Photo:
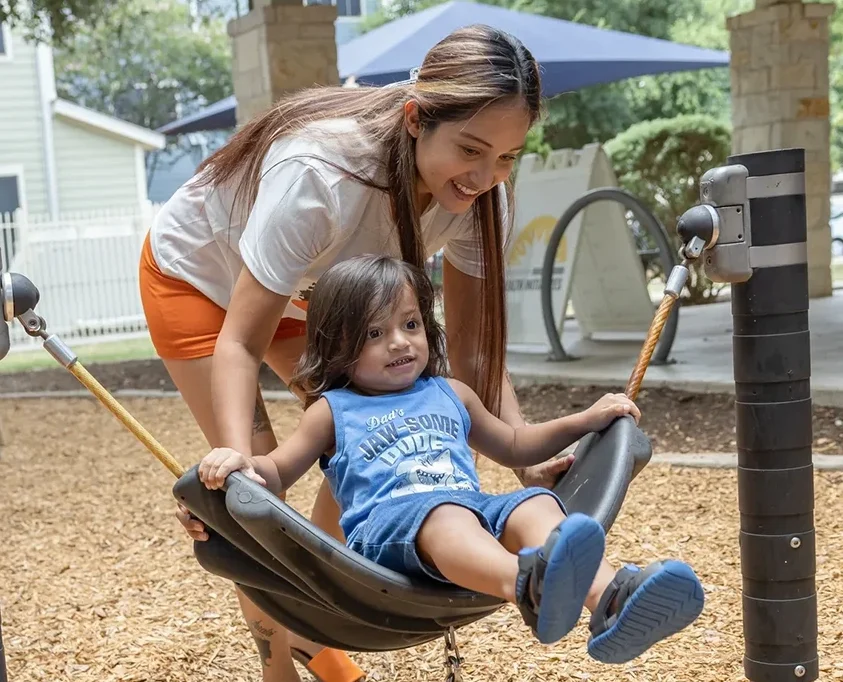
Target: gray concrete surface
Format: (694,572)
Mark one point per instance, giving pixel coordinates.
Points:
(700,360)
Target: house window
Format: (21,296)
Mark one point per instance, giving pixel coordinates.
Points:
(9,194)
(9,202)
(348,8)
(2,39)
(345,8)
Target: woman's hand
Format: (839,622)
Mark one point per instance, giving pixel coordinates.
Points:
(546,474)
(596,418)
(194,527)
(220,462)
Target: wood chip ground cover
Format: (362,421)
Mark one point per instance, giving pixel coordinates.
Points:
(98,582)
(675,420)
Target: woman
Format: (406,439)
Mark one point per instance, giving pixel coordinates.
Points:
(324,175)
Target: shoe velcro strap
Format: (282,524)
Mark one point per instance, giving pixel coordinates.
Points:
(626,581)
(530,582)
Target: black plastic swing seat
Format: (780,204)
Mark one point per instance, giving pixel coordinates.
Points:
(318,588)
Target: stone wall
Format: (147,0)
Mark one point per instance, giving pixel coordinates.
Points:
(779,67)
(280,46)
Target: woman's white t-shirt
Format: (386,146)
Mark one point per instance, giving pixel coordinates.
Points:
(308,215)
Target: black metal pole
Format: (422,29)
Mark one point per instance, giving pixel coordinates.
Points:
(772,370)
(752,220)
(3,677)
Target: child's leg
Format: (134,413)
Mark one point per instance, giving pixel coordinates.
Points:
(632,609)
(558,560)
(525,528)
(453,540)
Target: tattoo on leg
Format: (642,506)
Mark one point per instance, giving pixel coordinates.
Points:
(260,422)
(262,635)
(265,650)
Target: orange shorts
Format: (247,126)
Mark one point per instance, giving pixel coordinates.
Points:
(184,323)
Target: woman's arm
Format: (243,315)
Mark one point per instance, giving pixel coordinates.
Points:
(511,414)
(291,223)
(250,323)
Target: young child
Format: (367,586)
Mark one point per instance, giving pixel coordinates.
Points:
(394,438)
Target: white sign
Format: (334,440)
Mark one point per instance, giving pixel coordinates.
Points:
(598,271)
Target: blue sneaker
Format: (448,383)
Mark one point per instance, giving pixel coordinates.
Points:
(554,580)
(642,607)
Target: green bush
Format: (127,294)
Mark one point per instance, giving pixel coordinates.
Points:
(535,142)
(661,162)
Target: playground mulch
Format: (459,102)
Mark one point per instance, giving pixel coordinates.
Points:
(675,421)
(98,582)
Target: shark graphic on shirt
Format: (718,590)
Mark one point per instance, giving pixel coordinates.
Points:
(427,471)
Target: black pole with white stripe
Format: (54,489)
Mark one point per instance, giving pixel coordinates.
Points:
(754,211)
(3,675)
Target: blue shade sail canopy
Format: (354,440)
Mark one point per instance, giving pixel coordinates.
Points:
(572,56)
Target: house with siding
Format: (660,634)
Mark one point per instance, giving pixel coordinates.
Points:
(55,156)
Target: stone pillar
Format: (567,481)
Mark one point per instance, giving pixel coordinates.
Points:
(779,68)
(279,46)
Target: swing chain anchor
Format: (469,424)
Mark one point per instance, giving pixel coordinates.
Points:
(453,661)
(690,251)
(32,323)
(36,326)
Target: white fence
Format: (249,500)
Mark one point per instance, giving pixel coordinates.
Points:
(84,264)
(86,267)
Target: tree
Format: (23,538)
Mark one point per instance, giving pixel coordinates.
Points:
(600,112)
(705,91)
(170,63)
(57,21)
(653,18)
(54,20)
(395,9)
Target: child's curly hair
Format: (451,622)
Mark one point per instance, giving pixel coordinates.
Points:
(345,302)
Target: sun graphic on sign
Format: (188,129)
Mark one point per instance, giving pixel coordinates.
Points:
(531,244)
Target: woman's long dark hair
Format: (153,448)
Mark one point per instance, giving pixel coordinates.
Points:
(465,72)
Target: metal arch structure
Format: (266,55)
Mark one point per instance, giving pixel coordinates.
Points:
(653,227)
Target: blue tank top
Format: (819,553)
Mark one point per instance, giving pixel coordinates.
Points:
(405,443)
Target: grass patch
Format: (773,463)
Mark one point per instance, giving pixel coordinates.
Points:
(88,353)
